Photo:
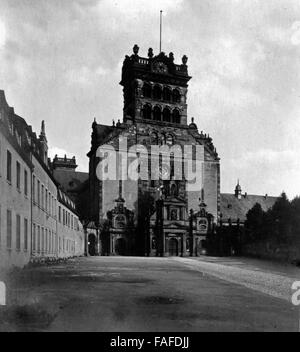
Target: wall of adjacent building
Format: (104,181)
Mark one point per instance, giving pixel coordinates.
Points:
(14,201)
(70,233)
(44,204)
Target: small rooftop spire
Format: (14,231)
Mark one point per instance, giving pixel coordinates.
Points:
(43,133)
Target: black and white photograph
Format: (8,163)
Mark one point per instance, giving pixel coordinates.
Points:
(149,169)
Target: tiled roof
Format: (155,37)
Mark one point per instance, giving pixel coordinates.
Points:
(234,208)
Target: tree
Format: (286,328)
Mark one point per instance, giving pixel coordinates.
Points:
(281,217)
(254,222)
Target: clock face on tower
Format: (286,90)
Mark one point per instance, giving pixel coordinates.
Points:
(160,67)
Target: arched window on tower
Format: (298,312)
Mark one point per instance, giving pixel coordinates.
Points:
(157,92)
(166,94)
(176,116)
(157,113)
(166,115)
(176,96)
(147,90)
(147,112)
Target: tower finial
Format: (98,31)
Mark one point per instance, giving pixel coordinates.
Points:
(43,133)
(160,31)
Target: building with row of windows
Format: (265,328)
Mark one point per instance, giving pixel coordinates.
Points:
(38,221)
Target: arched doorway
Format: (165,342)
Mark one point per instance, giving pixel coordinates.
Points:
(120,246)
(92,244)
(173,247)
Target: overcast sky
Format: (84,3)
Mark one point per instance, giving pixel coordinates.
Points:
(60,60)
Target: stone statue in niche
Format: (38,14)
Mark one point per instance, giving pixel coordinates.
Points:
(174,214)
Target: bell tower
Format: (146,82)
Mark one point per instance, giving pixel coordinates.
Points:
(154,88)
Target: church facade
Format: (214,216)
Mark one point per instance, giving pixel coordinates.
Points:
(166,214)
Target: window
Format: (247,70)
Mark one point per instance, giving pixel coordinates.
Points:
(157,113)
(18,175)
(0,154)
(176,96)
(147,112)
(39,239)
(9,228)
(46,241)
(49,204)
(42,204)
(43,241)
(46,200)
(25,234)
(157,92)
(147,90)
(33,238)
(33,188)
(39,193)
(0,225)
(166,115)
(59,214)
(166,94)
(18,232)
(25,182)
(8,166)
(176,116)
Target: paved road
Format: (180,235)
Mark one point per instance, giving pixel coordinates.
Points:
(151,294)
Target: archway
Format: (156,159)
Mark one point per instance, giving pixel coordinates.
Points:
(173,247)
(92,244)
(120,246)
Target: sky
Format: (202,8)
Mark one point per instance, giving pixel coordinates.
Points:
(60,61)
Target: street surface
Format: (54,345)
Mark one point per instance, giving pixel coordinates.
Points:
(152,294)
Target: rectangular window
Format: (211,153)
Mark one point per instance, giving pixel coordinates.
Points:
(33,188)
(9,228)
(59,214)
(8,166)
(43,241)
(0,155)
(46,198)
(39,192)
(42,204)
(25,183)
(18,175)
(0,225)
(18,232)
(39,240)
(33,238)
(46,241)
(25,234)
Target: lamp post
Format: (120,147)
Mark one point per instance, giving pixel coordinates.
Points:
(160,222)
(191,237)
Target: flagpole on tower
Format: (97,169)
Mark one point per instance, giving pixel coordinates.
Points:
(160,26)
